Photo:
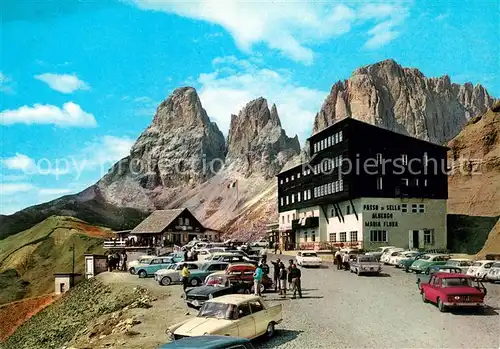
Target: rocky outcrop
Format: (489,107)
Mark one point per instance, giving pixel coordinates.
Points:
(180,149)
(256,141)
(404,100)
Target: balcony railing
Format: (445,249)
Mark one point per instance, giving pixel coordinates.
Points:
(305,223)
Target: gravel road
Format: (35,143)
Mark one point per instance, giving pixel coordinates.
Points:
(342,310)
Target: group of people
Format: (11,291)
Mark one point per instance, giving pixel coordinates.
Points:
(191,255)
(342,260)
(284,275)
(117,261)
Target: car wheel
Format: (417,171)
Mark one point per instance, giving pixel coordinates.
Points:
(165,281)
(262,288)
(142,274)
(270,330)
(131,270)
(195,282)
(441,306)
(423,297)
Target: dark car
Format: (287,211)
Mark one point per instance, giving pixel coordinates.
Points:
(209,342)
(197,296)
(433,269)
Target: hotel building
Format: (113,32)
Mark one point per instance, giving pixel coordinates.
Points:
(365,187)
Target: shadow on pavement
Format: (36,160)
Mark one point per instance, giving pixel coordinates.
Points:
(281,337)
(485,311)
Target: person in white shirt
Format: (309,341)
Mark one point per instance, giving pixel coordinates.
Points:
(345,260)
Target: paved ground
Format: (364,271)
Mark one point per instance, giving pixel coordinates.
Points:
(342,310)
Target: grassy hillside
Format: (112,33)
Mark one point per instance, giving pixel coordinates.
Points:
(46,248)
(467,234)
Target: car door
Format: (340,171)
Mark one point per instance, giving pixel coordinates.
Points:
(434,289)
(154,266)
(246,322)
(260,316)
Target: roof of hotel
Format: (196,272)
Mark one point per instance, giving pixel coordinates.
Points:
(157,221)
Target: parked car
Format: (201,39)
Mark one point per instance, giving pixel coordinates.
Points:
(197,296)
(461,263)
(261,243)
(363,264)
(236,273)
(494,272)
(308,259)
(199,275)
(232,315)
(384,258)
(230,257)
(433,269)
(171,275)
(453,290)
(381,250)
(142,260)
(177,256)
(209,342)
(152,265)
(405,263)
(479,269)
(396,260)
(427,260)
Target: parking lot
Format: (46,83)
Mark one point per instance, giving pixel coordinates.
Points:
(342,310)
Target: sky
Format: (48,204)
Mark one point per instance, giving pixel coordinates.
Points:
(80,80)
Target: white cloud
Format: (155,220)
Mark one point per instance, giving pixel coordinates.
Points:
(5,84)
(288,26)
(19,162)
(64,83)
(69,115)
(14,188)
(235,82)
(105,151)
(44,166)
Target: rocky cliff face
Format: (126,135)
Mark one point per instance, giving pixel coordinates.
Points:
(180,149)
(404,100)
(256,141)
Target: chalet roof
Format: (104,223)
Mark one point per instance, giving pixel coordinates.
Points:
(157,221)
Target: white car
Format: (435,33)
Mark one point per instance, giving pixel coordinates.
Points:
(172,274)
(479,269)
(377,254)
(308,259)
(142,260)
(396,259)
(389,253)
(494,272)
(461,263)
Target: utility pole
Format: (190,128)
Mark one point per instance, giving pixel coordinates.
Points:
(73,268)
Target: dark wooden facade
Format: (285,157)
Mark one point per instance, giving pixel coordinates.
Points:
(375,163)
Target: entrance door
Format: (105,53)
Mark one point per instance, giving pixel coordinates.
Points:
(61,287)
(415,239)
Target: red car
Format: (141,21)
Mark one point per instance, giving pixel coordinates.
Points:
(235,273)
(453,290)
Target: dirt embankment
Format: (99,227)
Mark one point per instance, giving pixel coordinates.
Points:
(12,315)
(113,310)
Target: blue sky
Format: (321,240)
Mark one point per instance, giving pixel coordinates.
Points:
(80,81)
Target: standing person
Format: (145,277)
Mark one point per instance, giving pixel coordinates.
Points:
(276,274)
(338,259)
(257,280)
(124,260)
(282,277)
(345,260)
(185,273)
(275,247)
(186,256)
(289,273)
(296,275)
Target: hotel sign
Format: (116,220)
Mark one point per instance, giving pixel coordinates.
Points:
(382,216)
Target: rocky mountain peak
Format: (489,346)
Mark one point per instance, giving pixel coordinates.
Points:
(404,100)
(257,142)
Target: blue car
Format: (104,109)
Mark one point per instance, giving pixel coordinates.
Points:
(209,342)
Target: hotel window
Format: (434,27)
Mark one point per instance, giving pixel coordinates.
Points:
(340,136)
(379,158)
(378,236)
(414,208)
(429,237)
(186,221)
(333,237)
(293,177)
(341,185)
(315,147)
(283,219)
(328,142)
(286,179)
(404,208)
(333,212)
(425,182)
(305,236)
(315,192)
(293,216)
(298,197)
(340,160)
(421,208)
(288,218)
(416,182)
(348,209)
(336,138)
(309,194)
(313,236)
(287,200)
(293,198)
(305,195)
(404,181)
(281,201)
(281,181)
(404,157)
(379,183)
(180,220)
(426,159)
(343,236)
(298,175)
(354,236)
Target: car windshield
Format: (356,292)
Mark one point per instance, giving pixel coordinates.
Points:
(425,257)
(367,259)
(454,282)
(496,265)
(477,264)
(217,310)
(309,254)
(145,260)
